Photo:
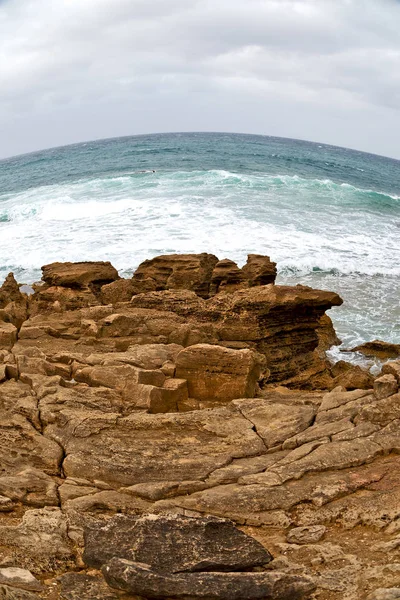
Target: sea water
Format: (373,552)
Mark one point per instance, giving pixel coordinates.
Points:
(329,216)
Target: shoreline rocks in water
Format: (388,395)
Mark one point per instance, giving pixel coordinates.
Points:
(144,420)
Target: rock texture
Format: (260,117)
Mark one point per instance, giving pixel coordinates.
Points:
(144,420)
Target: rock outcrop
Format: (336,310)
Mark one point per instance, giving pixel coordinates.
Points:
(138,431)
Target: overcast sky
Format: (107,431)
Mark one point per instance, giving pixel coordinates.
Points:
(322,70)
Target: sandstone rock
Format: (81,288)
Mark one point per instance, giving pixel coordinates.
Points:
(79,275)
(218,373)
(276,422)
(145,448)
(10,593)
(327,336)
(8,335)
(174,544)
(259,270)
(306,535)
(22,446)
(385,594)
(19,578)
(40,540)
(13,304)
(31,487)
(79,586)
(392,368)
(351,377)
(385,386)
(177,271)
(138,579)
(226,277)
(120,290)
(378,349)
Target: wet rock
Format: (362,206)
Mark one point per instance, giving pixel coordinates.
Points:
(174,544)
(138,579)
(379,349)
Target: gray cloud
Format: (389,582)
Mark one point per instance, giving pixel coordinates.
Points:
(326,70)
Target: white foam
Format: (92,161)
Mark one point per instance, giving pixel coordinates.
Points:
(312,228)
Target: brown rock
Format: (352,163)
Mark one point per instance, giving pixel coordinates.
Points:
(8,335)
(351,377)
(121,290)
(326,335)
(80,274)
(219,374)
(385,386)
(276,422)
(145,448)
(13,304)
(378,349)
(176,271)
(392,368)
(259,270)
(226,277)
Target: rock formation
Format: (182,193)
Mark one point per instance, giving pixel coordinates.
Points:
(144,420)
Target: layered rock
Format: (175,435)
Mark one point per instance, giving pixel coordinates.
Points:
(167,404)
(203,274)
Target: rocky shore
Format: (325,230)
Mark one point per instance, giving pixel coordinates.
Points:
(181,434)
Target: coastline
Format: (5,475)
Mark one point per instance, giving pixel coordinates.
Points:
(194,395)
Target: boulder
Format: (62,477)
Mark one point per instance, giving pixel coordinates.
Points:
(392,368)
(351,377)
(385,386)
(219,374)
(174,544)
(136,578)
(79,274)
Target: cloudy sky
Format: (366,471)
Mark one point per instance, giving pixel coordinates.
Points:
(322,70)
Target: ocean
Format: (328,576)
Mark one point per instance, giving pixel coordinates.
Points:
(329,216)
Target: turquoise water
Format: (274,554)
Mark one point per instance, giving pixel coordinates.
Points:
(330,217)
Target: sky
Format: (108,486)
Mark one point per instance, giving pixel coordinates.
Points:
(320,70)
